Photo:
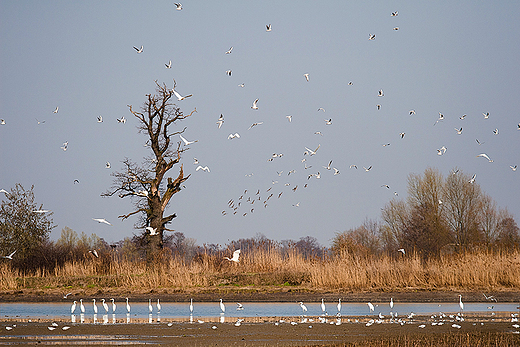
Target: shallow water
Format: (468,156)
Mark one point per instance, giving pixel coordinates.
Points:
(140,310)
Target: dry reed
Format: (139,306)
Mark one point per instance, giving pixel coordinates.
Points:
(272,267)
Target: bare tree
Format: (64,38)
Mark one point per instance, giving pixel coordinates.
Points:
(146,184)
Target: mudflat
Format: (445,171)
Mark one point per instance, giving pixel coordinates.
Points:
(291,331)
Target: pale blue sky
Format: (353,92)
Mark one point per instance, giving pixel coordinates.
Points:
(451,57)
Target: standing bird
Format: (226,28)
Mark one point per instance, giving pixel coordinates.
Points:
(127,306)
(370,306)
(323,307)
(461,304)
(158,306)
(73,307)
(339,305)
(391,303)
(105,306)
(304,308)
(81,306)
(222,306)
(191,306)
(113,306)
(150,307)
(94,305)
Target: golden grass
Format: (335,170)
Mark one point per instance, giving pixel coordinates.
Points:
(272,267)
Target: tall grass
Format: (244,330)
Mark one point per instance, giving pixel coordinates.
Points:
(270,266)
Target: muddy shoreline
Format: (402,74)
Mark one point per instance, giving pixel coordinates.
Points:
(286,295)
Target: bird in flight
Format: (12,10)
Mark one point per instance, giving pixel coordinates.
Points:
(459,131)
(220,120)
(321,109)
(513,167)
(2,122)
(462,117)
(484,155)
(178,6)
(380,93)
(306,75)
(441,117)
(94,252)
(228,72)
(236,254)
(153,231)
(102,220)
(254,106)
(56,110)
(39,122)
(121,120)
(495,131)
(186,142)
(289,118)
(371,37)
(169,65)
(395,14)
(367,169)
(441,150)
(10,256)
(180,97)
(229,50)
(402,135)
(241,85)
(268,27)
(479,143)
(328,121)
(310,152)
(328,166)
(41,211)
(336,171)
(472,180)
(486,115)
(255,124)
(65,145)
(401,250)
(200,167)
(100,119)
(107,165)
(139,50)
(232,136)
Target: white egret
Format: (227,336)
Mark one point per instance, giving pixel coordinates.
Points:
(158,306)
(191,305)
(339,305)
(113,305)
(323,307)
(127,306)
(304,308)
(222,306)
(150,307)
(180,97)
(94,305)
(81,307)
(370,306)
(391,303)
(10,256)
(105,306)
(73,307)
(461,304)
(236,254)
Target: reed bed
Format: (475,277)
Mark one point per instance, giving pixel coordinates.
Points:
(272,267)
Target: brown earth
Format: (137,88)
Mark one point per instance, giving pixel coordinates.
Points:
(267,294)
(475,330)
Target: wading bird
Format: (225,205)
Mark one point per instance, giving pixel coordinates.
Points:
(236,254)
(222,306)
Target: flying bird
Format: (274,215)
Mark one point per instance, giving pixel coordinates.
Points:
(180,97)
(495,131)
(395,14)
(371,37)
(472,180)
(513,167)
(39,122)
(241,85)
(441,150)
(370,306)
(306,75)
(56,110)
(321,109)
(401,250)
(10,256)
(380,93)
(121,120)
(229,50)
(402,135)
(228,72)
(255,107)
(94,253)
(107,165)
(336,171)
(268,27)
(232,136)
(139,50)
(220,120)
(203,168)
(2,122)
(289,118)
(169,65)
(328,121)
(459,131)
(462,117)
(102,220)
(255,124)
(100,119)
(441,117)
(41,211)
(396,28)
(484,155)
(236,254)
(367,169)
(186,142)
(153,231)
(310,152)
(486,115)
(412,112)
(178,6)
(65,145)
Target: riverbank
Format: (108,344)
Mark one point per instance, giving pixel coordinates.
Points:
(256,294)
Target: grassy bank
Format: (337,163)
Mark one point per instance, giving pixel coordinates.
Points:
(261,268)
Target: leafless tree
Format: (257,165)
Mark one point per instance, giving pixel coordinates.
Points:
(146,184)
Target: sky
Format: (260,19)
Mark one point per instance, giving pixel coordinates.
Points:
(451,57)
